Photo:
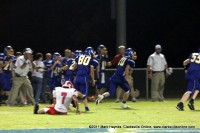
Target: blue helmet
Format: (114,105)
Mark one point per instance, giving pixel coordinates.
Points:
(100,47)
(89,51)
(55,56)
(78,53)
(129,52)
(8,50)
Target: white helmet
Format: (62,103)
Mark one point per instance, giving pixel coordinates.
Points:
(68,84)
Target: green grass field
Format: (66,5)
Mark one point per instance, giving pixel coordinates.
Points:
(109,113)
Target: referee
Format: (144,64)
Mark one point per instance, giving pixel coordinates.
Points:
(156,65)
(23,65)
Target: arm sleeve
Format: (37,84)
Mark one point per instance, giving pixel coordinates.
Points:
(165,62)
(76,60)
(54,93)
(94,63)
(150,61)
(19,62)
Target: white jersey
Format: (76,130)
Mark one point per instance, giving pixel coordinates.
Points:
(63,98)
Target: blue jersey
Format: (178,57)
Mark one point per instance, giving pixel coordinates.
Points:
(64,60)
(8,67)
(194,62)
(47,64)
(2,55)
(57,71)
(70,62)
(122,66)
(102,62)
(193,71)
(84,62)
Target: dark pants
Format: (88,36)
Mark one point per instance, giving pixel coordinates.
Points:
(37,87)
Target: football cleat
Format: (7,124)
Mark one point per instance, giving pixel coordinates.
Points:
(99,98)
(180,106)
(73,104)
(125,106)
(191,105)
(87,109)
(36,108)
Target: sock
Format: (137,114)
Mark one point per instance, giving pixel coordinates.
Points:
(124,102)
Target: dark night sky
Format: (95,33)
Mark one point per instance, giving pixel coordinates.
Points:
(54,25)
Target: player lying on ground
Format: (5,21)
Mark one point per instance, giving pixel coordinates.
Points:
(63,97)
(119,78)
(193,80)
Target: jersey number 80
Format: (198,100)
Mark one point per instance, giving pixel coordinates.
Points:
(84,60)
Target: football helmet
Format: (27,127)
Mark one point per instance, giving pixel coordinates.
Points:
(129,52)
(68,84)
(100,47)
(78,53)
(8,50)
(56,55)
(89,51)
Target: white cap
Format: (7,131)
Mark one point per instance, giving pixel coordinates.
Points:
(28,50)
(158,47)
(122,46)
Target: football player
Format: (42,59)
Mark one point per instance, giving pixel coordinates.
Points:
(119,78)
(68,61)
(114,62)
(193,79)
(56,72)
(47,74)
(1,76)
(62,100)
(129,78)
(6,65)
(102,81)
(85,65)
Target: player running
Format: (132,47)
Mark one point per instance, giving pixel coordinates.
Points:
(63,97)
(193,79)
(119,78)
